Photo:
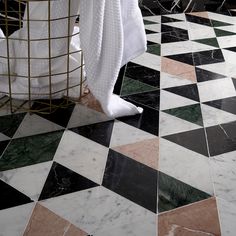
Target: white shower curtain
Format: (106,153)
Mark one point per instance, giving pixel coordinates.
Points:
(112,33)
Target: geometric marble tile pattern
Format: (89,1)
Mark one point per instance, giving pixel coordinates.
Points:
(167,171)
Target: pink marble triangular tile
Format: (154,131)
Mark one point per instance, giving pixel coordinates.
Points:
(146,152)
(45,222)
(179,69)
(203,14)
(198,219)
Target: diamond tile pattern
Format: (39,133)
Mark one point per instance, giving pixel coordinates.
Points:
(114,177)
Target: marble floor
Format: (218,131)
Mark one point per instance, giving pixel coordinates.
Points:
(170,171)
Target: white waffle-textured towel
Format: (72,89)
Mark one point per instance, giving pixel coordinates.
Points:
(112,33)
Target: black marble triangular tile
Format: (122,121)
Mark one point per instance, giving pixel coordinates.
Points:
(189,91)
(166,19)
(147,121)
(194,140)
(30,150)
(226,104)
(99,132)
(233,49)
(208,57)
(186,58)
(10,197)
(221,138)
(222,33)
(62,180)
(190,113)
(176,32)
(174,193)
(131,179)
(10,123)
(205,75)
(143,74)
(3,145)
(150,31)
(150,99)
(198,20)
(61,110)
(171,37)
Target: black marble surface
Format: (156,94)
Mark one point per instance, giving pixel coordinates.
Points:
(205,75)
(157,7)
(10,197)
(62,181)
(99,132)
(147,121)
(221,138)
(189,91)
(194,140)
(132,180)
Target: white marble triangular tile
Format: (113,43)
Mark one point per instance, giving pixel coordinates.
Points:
(183,47)
(222,68)
(82,115)
(213,116)
(28,180)
(171,100)
(153,27)
(82,155)
(221,17)
(227,215)
(224,175)
(216,89)
(136,229)
(97,210)
(155,38)
(126,134)
(34,124)
(149,60)
(226,41)
(3,137)
(230,28)
(185,165)
(171,125)
(13,221)
(153,18)
(180,24)
(229,56)
(168,81)
(197,31)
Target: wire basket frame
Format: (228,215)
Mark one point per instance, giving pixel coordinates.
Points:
(14,15)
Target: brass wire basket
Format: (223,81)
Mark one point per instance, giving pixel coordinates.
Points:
(12,19)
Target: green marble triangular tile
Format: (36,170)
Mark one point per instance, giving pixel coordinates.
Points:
(209,41)
(190,113)
(154,49)
(30,150)
(173,193)
(148,22)
(216,23)
(131,86)
(10,123)
(221,33)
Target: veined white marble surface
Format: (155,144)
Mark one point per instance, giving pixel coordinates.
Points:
(82,155)
(100,210)
(224,176)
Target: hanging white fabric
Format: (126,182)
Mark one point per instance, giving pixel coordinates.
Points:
(112,33)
